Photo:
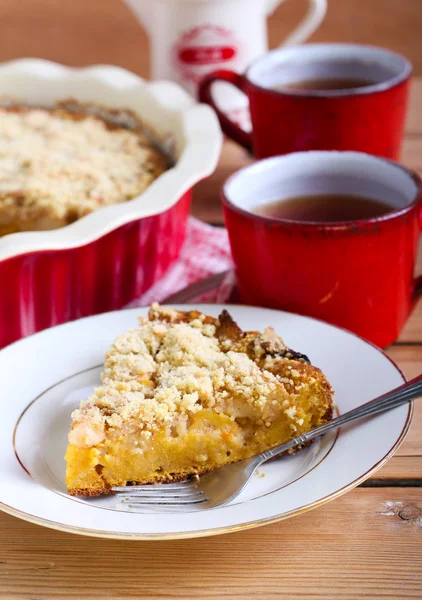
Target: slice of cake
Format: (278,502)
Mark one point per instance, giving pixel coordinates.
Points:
(185,393)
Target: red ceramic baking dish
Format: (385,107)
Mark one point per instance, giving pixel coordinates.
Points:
(109,257)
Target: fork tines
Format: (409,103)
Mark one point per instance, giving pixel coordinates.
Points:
(165,494)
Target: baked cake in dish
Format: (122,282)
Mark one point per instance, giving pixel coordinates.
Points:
(57,165)
(185,393)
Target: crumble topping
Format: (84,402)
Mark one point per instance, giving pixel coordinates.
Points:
(171,367)
(57,166)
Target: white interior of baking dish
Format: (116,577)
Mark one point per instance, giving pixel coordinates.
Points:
(190,130)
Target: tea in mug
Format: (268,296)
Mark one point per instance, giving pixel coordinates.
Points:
(325,84)
(324,208)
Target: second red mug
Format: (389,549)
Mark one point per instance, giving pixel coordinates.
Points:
(368,118)
(359,273)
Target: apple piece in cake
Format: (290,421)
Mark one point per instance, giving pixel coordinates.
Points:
(185,393)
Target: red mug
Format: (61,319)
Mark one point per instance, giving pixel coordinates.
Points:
(368,119)
(356,274)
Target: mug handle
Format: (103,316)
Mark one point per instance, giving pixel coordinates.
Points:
(417,282)
(417,288)
(228,126)
(309,24)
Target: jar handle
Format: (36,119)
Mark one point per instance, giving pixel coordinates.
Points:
(308,25)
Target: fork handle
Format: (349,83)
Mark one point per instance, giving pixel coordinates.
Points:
(405,393)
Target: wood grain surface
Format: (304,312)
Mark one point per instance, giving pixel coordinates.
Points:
(82,32)
(364,545)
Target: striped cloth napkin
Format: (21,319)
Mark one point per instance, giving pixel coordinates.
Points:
(206,252)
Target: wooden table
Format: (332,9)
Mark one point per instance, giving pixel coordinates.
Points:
(83,32)
(366,544)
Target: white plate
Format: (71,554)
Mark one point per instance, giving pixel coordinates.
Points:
(44,377)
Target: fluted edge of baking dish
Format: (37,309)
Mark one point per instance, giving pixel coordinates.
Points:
(165,107)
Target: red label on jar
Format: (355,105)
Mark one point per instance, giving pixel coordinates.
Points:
(204,55)
(202,49)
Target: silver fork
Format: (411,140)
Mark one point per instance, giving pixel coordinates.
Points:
(222,485)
